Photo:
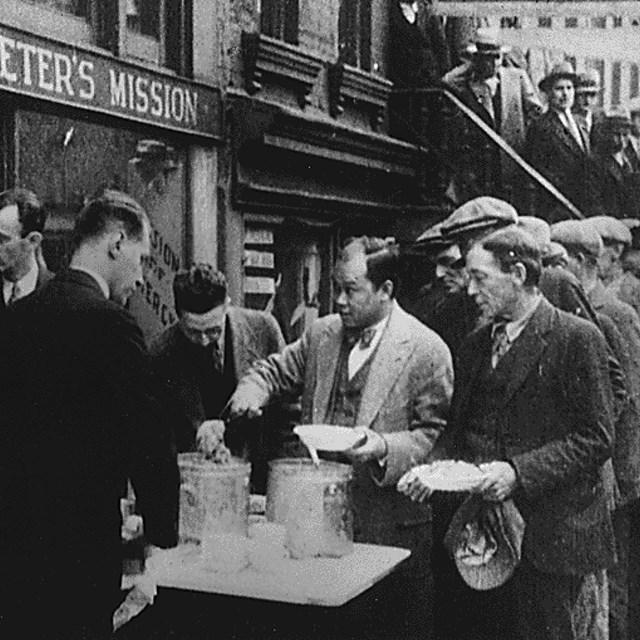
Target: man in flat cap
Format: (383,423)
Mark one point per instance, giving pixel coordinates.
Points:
(444,305)
(588,90)
(616,170)
(617,239)
(477,218)
(584,247)
(543,449)
(558,148)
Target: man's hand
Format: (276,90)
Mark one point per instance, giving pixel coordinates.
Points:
(246,401)
(413,487)
(499,481)
(210,436)
(373,448)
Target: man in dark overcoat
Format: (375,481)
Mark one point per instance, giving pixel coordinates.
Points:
(80,416)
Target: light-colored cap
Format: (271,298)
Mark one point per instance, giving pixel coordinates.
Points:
(479,214)
(611,229)
(538,229)
(577,235)
(588,82)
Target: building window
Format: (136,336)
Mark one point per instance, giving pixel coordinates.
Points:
(545,22)
(354,33)
(616,77)
(279,19)
(634,81)
(143,16)
(571,23)
(617,21)
(599,22)
(78,8)
(510,22)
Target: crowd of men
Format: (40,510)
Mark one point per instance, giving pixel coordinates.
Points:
(591,155)
(525,362)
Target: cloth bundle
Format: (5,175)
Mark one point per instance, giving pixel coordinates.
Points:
(485,541)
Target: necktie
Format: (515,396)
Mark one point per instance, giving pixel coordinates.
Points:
(15,294)
(500,344)
(216,356)
(573,129)
(362,338)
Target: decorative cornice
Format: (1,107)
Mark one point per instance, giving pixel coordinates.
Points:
(371,90)
(265,56)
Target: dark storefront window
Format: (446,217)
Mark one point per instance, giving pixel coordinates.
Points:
(354,33)
(279,19)
(287,271)
(66,160)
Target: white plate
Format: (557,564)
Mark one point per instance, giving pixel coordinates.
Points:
(449,475)
(324,437)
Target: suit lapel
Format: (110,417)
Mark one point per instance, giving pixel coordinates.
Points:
(327,357)
(516,365)
(241,338)
(392,353)
(561,132)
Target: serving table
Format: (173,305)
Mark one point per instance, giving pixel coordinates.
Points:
(323,598)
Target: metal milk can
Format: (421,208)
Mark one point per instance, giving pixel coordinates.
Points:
(212,496)
(314,505)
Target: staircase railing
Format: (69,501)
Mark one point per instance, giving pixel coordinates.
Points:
(470,154)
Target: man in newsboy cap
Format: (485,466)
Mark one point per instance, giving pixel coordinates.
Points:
(588,90)
(541,448)
(481,216)
(617,239)
(585,247)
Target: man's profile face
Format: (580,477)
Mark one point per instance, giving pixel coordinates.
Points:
(586,101)
(494,291)
(202,329)
(357,300)
(608,262)
(129,272)
(562,94)
(16,253)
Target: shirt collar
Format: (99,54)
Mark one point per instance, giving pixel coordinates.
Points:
(102,283)
(28,283)
(516,327)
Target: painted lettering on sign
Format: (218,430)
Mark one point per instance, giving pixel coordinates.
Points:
(51,70)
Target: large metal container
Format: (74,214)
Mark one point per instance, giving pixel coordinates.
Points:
(314,505)
(213,497)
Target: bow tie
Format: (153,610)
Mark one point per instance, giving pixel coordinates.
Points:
(362,338)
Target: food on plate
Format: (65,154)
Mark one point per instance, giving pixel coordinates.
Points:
(445,475)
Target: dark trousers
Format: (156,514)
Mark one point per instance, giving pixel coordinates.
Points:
(532,605)
(619,577)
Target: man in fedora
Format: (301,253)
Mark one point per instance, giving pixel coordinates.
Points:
(558,148)
(503,97)
(588,90)
(533,407)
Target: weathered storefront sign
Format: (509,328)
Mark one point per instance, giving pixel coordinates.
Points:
(42,68)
